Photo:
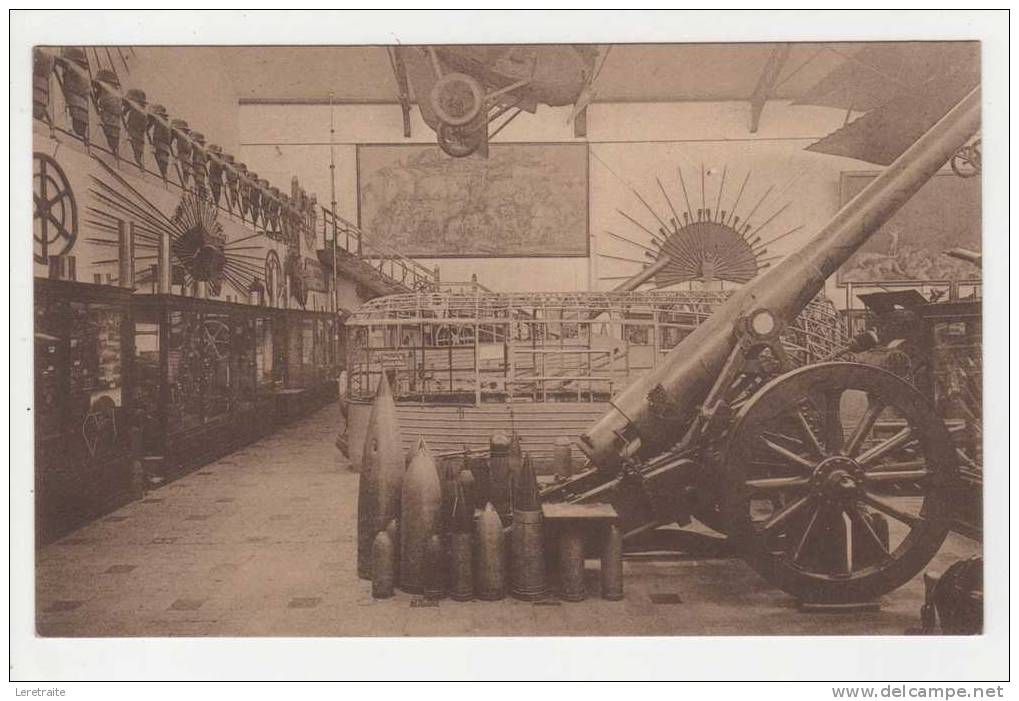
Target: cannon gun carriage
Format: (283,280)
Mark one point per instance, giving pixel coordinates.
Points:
(834,480)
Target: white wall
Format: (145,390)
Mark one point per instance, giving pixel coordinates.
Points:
(631,146)
(193,85)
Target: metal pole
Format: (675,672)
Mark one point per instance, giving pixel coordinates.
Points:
(332,202)
(164,263)
(125,235)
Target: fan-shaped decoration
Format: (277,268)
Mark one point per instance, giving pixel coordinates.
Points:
(198,245)
(705,244)
(705,250)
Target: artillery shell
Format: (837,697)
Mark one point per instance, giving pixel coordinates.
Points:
(516,456)
(76,90)
(479,467)
(365,518)
(499,475)
(612,565)
(110,106)
(421,499)
(449,470)
(527,556)
(468,492)
(161,137)
(462,518)
(525,488)
(382,474)
(43,64)
(137,122)
(490,562)
(462,566)
(436,568)
(393,529)
(571,565)
(383,566)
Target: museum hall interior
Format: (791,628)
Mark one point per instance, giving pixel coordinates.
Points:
(508,340)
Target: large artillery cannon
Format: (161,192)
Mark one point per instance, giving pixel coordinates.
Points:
(836,480)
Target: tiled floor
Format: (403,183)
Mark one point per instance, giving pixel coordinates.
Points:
(263,543)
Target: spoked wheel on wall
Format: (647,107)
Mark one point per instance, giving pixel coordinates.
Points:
(838,482)
(55,214)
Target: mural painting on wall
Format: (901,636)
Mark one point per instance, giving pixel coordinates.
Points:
(943,215)
(523,200)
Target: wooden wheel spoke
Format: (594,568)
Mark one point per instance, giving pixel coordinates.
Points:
(889,510)
(768,483)
(863,429)
(783,439)
(56,198)
(846,561)
(897,441)
(861,519)
(833,420)
(783,516)
(909,471)
(897,476)
(806,535)
(833,477)
(809,433)
(789,455)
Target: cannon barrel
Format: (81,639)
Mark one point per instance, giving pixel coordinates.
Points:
(650,415)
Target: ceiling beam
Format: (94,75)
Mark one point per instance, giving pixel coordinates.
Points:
(766,83)
(580,124)
(400,71)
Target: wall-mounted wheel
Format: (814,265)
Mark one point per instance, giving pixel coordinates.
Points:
(838,482)
(55,214)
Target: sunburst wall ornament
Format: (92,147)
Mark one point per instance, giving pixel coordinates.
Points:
(201,247)
(198,245)
(712,243)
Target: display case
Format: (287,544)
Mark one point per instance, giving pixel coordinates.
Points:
(83,403)
(311,364)
(211,374)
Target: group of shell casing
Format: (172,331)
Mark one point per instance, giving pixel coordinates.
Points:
(206,169)
(466,526)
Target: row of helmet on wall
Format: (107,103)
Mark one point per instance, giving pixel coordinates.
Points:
(203,168)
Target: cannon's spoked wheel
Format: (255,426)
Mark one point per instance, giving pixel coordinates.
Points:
(838,482)
(55,214)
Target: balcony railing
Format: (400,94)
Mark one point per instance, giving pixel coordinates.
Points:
(85,102)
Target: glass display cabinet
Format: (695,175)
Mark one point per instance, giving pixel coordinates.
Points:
(213,375)
(83,403)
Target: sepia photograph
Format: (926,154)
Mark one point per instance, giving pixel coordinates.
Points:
(505,338)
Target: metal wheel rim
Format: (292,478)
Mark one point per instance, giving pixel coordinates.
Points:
(923,538)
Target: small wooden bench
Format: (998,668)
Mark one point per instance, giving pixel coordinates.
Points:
(573,524)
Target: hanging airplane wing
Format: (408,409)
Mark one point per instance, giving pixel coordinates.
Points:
(903,90)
